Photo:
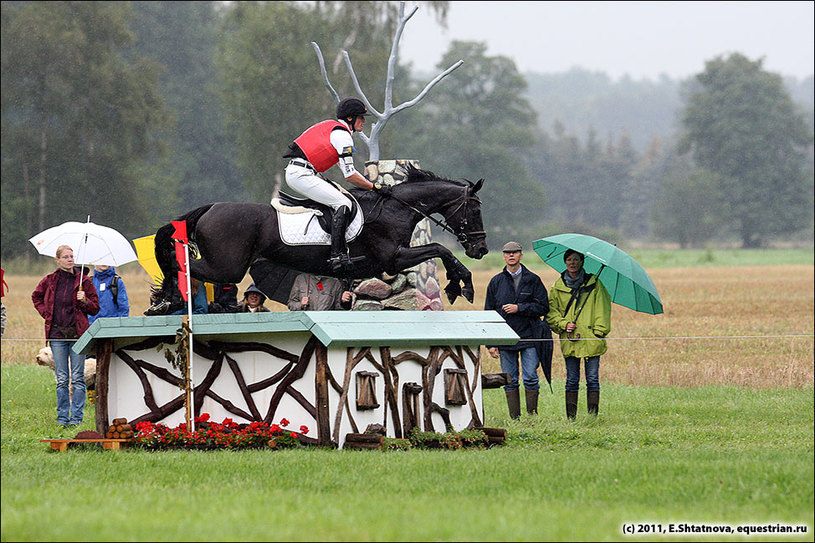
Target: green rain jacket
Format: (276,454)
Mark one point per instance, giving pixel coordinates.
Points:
(594,321)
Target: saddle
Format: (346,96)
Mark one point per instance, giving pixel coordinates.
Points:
(305,222)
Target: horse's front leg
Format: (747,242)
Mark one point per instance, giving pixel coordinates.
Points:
(406,257)
(456,271)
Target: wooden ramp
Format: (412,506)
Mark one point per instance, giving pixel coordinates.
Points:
(62,444)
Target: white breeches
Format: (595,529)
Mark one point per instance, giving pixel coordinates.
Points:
(304,182)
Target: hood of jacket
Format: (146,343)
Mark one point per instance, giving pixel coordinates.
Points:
(105,274)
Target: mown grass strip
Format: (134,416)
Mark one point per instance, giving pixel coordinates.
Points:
(655,454)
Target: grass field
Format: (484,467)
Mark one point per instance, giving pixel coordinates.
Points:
(706,418)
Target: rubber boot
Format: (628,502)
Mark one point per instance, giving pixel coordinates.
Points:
(531,401)
(339,248)
(593,401)
(571,404)
(514,403)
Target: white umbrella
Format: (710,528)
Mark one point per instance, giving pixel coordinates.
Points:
(92,243)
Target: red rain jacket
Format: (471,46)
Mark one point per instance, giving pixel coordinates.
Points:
(43,298)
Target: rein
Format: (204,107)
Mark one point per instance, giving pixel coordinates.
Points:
(461,236)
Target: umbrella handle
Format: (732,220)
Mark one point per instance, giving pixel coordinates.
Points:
(570,338)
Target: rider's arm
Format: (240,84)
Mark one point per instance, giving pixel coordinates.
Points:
(344,144)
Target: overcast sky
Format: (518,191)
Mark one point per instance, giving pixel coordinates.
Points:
(641,39)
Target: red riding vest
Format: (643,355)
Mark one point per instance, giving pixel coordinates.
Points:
(316,144)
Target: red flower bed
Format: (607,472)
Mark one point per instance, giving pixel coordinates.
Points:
(212,435)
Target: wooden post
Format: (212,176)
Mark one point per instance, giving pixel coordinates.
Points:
(103,354)
(187,387)
(321,396)
(363,441)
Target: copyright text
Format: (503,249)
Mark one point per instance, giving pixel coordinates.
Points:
(643,528)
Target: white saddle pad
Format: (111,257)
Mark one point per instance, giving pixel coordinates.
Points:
(300,226)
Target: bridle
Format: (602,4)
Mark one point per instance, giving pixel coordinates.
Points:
(463,236)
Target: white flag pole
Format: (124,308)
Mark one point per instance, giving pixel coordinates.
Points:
(189,358)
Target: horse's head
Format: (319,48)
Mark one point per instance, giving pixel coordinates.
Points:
(464,217)
(457,202)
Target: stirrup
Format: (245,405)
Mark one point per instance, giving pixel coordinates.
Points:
(160,308)
(340,262)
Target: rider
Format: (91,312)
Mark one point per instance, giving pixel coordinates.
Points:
(315,151)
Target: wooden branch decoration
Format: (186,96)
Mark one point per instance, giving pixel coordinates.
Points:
(328,86)
(372,141)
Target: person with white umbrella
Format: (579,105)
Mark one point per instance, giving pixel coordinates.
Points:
(64,299)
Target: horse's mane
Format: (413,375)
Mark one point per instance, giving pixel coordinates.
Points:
(415,175)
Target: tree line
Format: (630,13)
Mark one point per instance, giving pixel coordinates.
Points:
(136,112)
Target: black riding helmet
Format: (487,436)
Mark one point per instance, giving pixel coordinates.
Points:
(351,107)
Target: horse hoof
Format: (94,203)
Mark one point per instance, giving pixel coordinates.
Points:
(468,294)
(453,291)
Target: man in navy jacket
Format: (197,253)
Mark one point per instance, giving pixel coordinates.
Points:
(519,296)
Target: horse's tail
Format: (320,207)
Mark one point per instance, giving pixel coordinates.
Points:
(165,251)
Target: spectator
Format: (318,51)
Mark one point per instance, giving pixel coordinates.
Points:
(580,307)
(110,288)
(253,300)
(64,299)
(318,293)
(199,299)
(225,298)
(519,296)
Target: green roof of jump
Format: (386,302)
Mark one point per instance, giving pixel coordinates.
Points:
(331,328)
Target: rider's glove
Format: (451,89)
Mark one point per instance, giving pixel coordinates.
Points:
(384,190)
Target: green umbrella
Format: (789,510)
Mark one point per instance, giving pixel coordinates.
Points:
(626,281)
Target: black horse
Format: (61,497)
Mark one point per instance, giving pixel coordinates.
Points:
(229,237)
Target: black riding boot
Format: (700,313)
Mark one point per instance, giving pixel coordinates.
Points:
(593,401)
(339,248)
(571,404)
(531,401)
(514,403)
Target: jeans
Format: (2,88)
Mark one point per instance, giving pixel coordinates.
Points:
(573,373)
(529,365)
(70,405)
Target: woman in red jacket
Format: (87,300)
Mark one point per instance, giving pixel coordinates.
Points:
(64,299)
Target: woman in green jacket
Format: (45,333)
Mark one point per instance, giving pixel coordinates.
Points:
(580,312)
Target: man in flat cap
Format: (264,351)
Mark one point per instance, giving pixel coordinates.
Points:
(519,296)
